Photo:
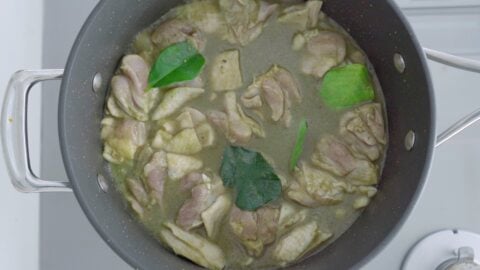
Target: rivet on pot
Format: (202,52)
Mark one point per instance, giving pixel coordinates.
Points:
(399,62)
(102,183)
(97,82)
(409,140)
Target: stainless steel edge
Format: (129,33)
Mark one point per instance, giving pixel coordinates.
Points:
(14,132)
(460,63)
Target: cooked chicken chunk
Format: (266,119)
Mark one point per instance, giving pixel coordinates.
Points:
(314,187)
(212,217)
(304,15)
(255,229)
(277,88)
(298,242)
(174,99)
(128,90)
(203,196)
(175,31)
(205,15)
(290,215)
(236,126)
(181,165)
(245,19)
(156,173)
(225,73)
(364,130)
(322,50)
(122,138)
(193,247)
(332,155)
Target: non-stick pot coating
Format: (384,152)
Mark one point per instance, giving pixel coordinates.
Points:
(378,28)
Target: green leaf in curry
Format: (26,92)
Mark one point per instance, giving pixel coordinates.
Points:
(252,178)
(300,141)
(346,86)
(177,63)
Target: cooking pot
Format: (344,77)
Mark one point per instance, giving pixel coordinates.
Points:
(379,28)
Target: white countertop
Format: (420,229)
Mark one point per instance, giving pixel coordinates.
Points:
(450,198)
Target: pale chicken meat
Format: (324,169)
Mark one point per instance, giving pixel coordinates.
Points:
(334,156)
(234,123)
(181,165)
(245,19)
(213,216)
(299,241)
(255,229)
(203,195)
(156,173)
(364,130)
(322,50)
(174,31)
(278,90)
(122,138)
(225,73)
(313,187)
(174,100)
(193,247)
(303,16)
(129,96)
(205,15)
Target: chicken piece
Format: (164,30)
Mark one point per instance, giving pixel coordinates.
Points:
(364,130)
(276,88)
(289,216)
(321,186)
(322,50)
(122,138)
(297,193)
(219,119)
(128,89)
(185,142)
(174,31)
(161,139)
(181,165)
(135,205)
(205,15)
(298,242)
(212,217)
(203,196)
(206,134)
(114,109)
(245,19)
(251,97)
(225,73)
(174,99)
(190,180)
(358,136)
(188,118)
(255,229)
(371,114)
(193,247)
(303,16)
(156,173)
(333,156)
(138,191)
(235,124)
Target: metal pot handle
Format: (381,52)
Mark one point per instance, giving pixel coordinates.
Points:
(461,63)
(15,135)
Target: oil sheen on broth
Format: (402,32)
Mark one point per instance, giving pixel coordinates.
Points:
(194,214)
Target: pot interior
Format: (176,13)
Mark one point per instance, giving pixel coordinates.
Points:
(375,25)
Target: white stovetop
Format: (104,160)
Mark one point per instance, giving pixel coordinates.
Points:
(450,198)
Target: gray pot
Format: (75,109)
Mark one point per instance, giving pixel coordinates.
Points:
(377,26)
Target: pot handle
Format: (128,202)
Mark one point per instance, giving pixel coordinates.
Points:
(461,63)
(14,132)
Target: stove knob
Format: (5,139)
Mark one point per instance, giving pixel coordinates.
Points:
(463,261)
